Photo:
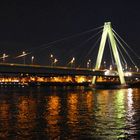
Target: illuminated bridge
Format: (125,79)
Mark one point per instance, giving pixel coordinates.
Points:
(117,72)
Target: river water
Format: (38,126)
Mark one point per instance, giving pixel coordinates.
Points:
(69,114)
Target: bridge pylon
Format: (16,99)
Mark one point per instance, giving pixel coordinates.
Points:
(107,32)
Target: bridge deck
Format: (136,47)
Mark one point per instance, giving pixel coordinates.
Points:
(39,70)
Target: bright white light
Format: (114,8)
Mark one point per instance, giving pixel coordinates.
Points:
(4,56)
(51,55)
(128,74)
(23,54)
(72,61)
(107,72)
(137,79)
(111,73)
(55,60)
(110,67)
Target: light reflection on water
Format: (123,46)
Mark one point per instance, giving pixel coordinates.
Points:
(38,113)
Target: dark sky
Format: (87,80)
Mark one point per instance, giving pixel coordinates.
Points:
(25,25)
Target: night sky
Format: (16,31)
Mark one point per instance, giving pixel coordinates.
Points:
(28,25)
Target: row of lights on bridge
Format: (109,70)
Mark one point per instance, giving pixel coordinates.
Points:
(54,61)
(24,54)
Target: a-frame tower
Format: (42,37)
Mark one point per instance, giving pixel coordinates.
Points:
(107,32)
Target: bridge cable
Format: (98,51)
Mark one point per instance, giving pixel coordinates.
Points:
(123,59)
(83,43)
(89,52)
(93,36)
(69,37)
(72,51)
(126,44)
(125,50)
(50,44)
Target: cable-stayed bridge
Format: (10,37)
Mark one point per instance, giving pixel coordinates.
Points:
(108,65)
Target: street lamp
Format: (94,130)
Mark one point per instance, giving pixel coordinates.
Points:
(72,61)
(110,68)
(104,64)
(137,69)
(4,56)
(126,67)
(87,64)
(32,59)
(24,54)
(55,61)
(51,56)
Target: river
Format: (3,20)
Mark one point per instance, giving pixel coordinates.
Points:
(69,114)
